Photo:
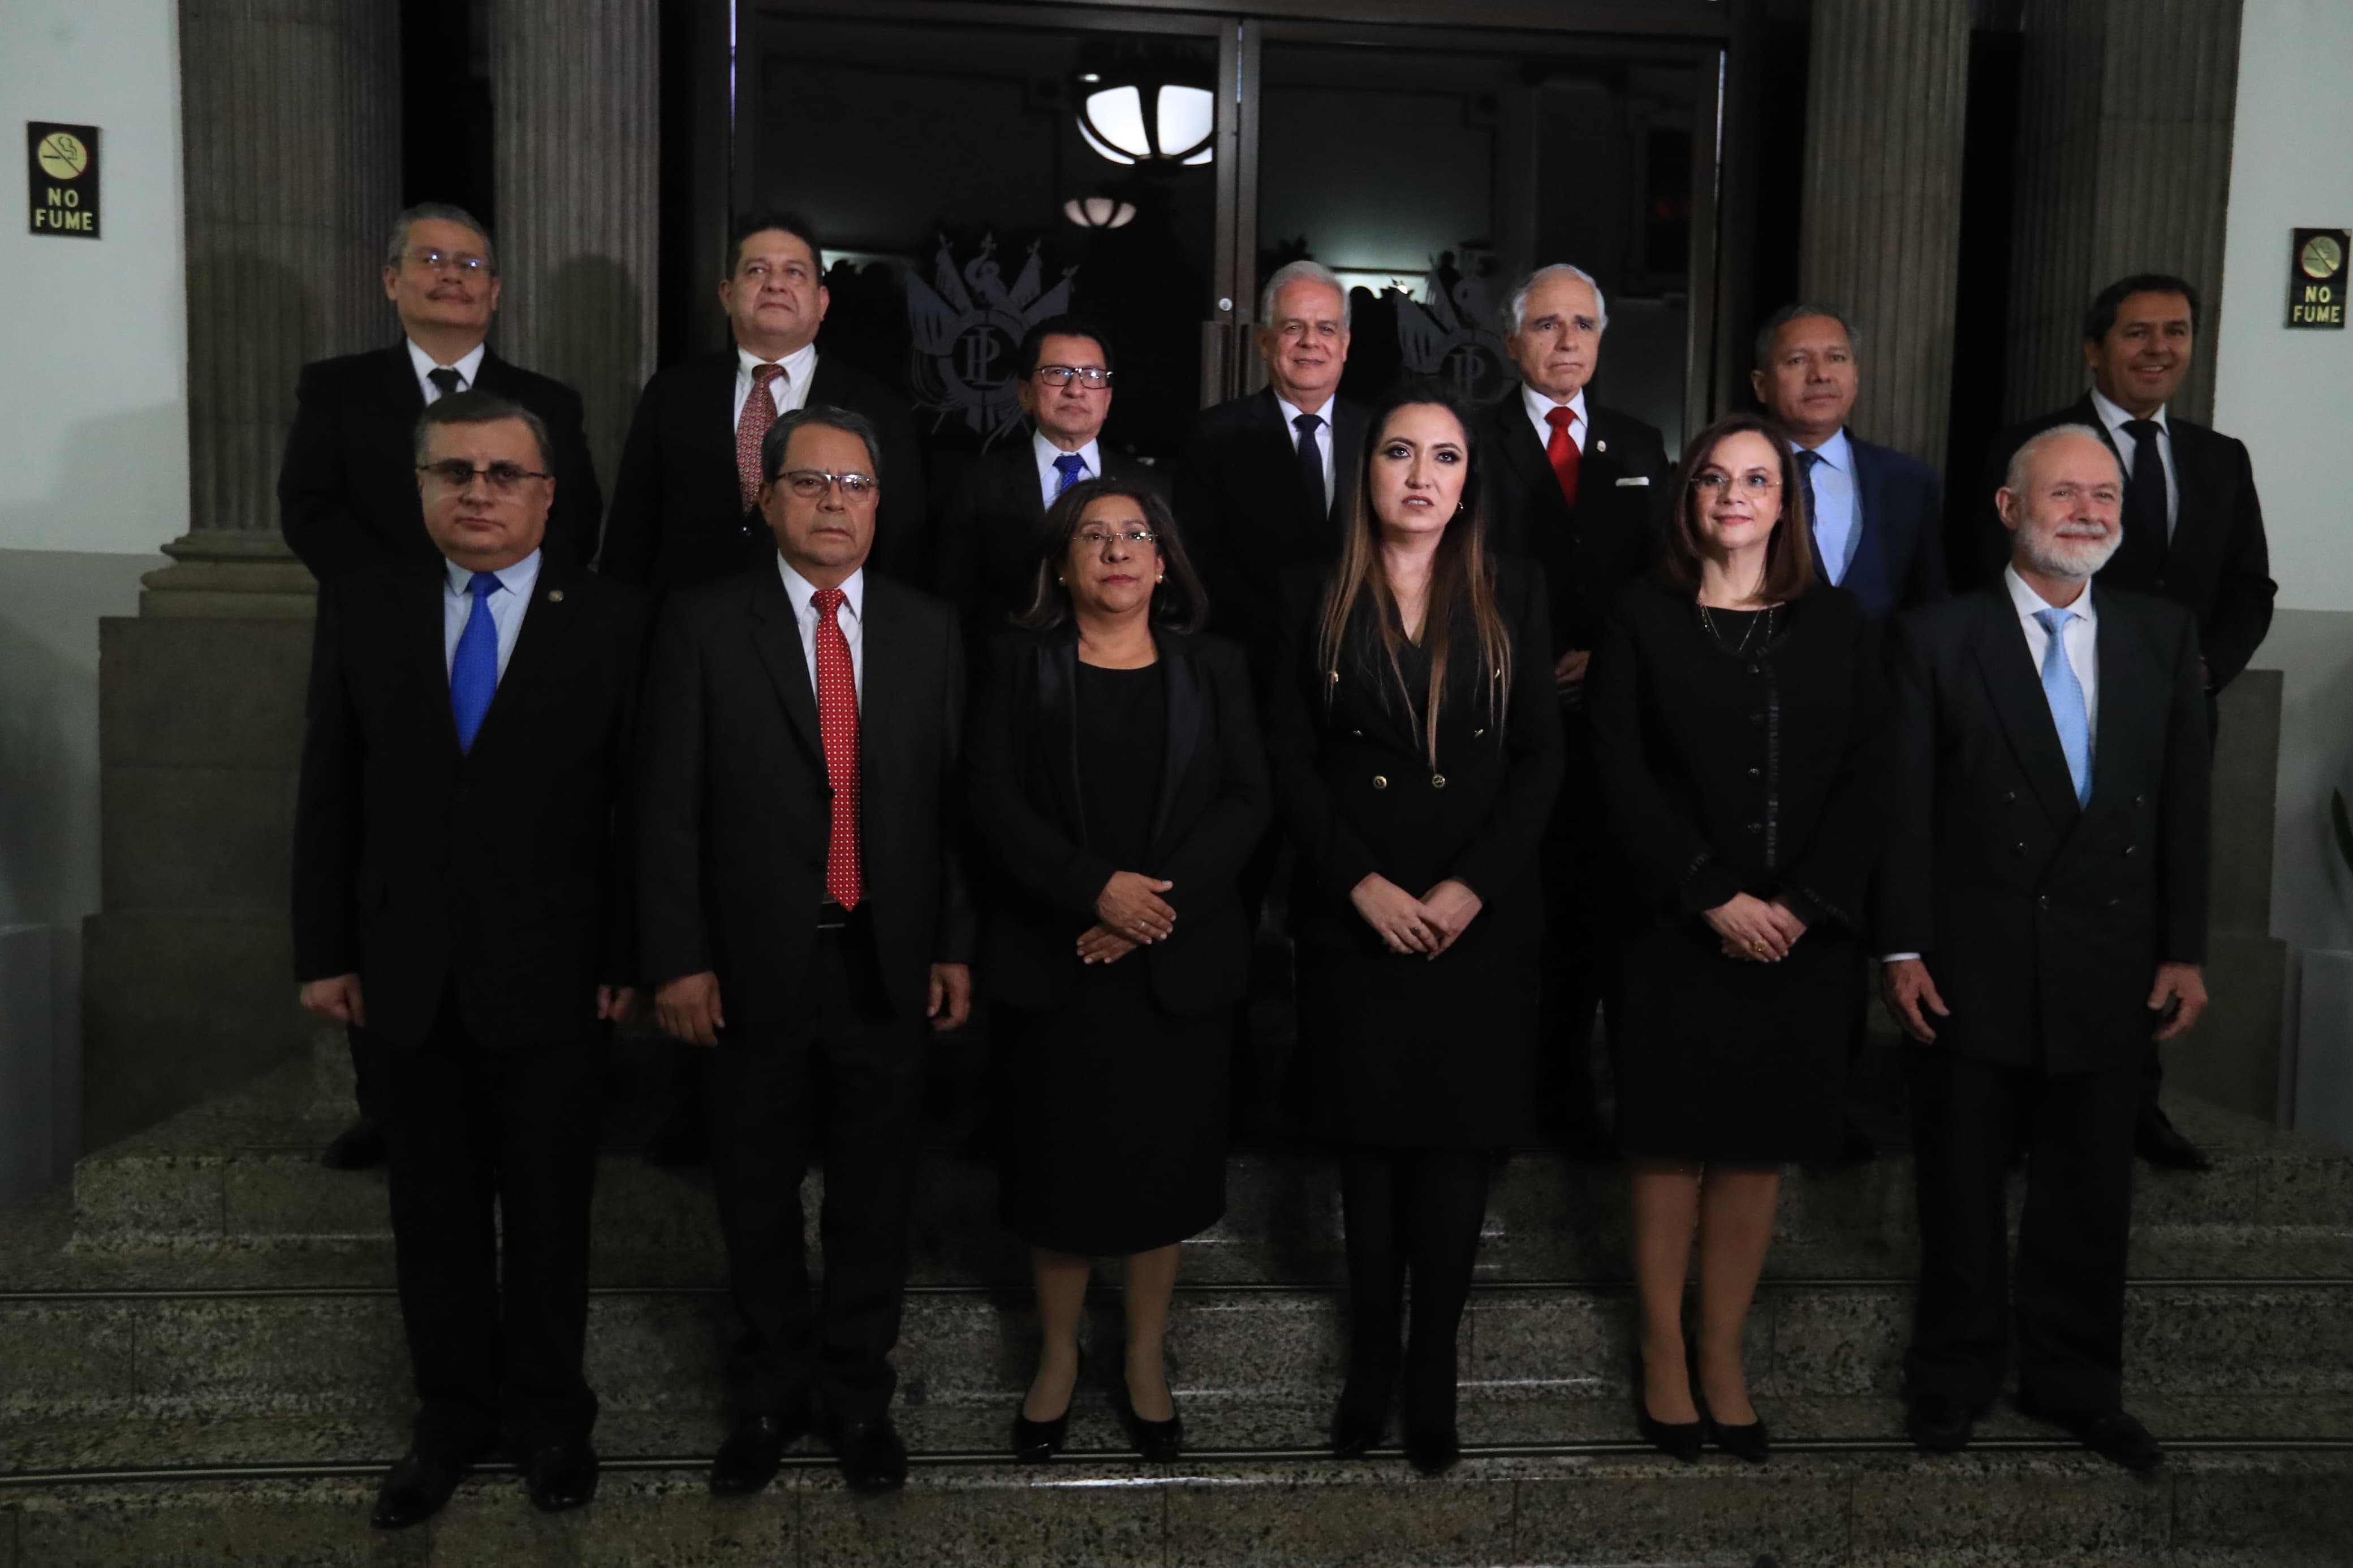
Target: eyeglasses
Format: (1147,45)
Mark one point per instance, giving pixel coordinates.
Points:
(1094,378)
(1713,484)
(810,483)
(433,260)
(1099,539)
(502,478)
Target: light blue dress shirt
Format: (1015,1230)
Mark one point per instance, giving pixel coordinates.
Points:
(516,584)
(1837,520)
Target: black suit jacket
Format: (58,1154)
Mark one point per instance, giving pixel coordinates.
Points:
(2042,921)
(678,513)
(1899,560)
(1239,505)
(987,537)
(735,809)
(1028,824)
(497,876)
(1589,556)
(1359,793)
(2217,565)
(347,489)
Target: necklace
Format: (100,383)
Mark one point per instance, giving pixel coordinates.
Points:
(1764,618)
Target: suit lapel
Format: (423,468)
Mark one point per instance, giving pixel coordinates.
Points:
(1868,574)
(2121,658)
(425,648)
(396,381)
(2016,689)
(1058,718)
(1348,422)
(777,634)
(1182,685)
(545,621)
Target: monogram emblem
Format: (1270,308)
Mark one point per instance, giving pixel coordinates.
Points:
(967,325)
(1456,339)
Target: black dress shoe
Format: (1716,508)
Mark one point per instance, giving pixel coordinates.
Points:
(747,1461)
(562,1476)
(2113,1434)
(1677,1439)
(2158,1141)
(1361,1419)
(1750,1443)
(1938,1423)
(415,1489)
(1432,1450)
(1035,1442)
(359,1147)
(871,1457)
(1160,1442)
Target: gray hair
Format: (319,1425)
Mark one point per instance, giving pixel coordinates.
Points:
(2013,480)
(472,407)
(1301,271)
(780,435)
(1515,309)
(395,244)
(1799,313)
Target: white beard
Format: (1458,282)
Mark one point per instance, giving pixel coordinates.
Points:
(2077,559)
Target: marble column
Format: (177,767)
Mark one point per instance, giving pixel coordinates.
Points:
(290,136)
(1886,97)
(574,93)
(2123,166)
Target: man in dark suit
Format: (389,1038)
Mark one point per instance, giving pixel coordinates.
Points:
(1578,488)
(2193,525)
(989,546)
(804,915)
(1878,516)
(347,487)
(685,508)
(1263,481)
(2042,913)
(461,904)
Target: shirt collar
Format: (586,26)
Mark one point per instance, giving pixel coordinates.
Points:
(1837,452)
(469,364)
(800,590)
(1090,454)
(799,364)
(519,579)
(1539,405)
(2029,603)
(2112,415)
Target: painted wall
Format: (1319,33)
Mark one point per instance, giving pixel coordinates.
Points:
(93,446)
(2285,393)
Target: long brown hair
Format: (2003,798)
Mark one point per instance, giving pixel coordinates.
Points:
(1178,601)
(1788,559)
(1461,580)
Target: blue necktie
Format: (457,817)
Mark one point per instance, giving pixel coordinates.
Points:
(1072,467)
(2065,695)
(474,671)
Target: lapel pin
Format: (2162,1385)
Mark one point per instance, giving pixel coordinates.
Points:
(1600,445)
(555,595)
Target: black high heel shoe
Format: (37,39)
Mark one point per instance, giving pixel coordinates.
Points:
(1678,1440)
(1160,1442)
(1361,1419)
(1035,1442)
(1432,1444)
(1750,1443)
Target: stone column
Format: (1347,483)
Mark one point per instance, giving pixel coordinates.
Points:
(2124,165)
(290,136)
(1886,96)
(575,94)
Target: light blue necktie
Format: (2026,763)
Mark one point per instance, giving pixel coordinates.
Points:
(474,671)
(2065,695)
(1072,467)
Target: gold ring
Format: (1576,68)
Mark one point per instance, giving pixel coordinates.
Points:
(1755,947)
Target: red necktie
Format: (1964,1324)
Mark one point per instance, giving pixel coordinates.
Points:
(752,429)
(837,722)
(1563,452)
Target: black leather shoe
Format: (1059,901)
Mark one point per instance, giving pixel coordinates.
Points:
(871,1457)
(415,1489)
(747,1461)
(359,1147)
(1678,1440)
(2157,1141)
(1160,1442)
(1938,1423)
(562,1476)
(1361,1419)
(2113,1434)
(1749,1443)
(1432,1450)
(1035,1442)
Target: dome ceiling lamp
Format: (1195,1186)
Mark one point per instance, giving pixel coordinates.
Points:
(1150,124)
(1099,212)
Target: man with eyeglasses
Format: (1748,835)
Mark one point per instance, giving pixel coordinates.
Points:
(685,502)
(347,498)
(461,904)
(989,534)
(805,920)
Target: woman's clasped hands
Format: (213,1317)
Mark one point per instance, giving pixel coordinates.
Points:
(1754,930)
(1129,913)
(1428,925)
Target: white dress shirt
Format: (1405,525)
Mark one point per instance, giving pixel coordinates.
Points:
(1291,411)
(507,606)
(789,391)
(469,365)
(2114,417)
(1049,477)
(850,618)
(1539,406)
(1838,520)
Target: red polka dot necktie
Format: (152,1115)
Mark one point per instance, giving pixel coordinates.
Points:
(752,429)
(1563,452)
(837,719)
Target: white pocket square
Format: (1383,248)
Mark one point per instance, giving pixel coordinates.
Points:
(1636,479)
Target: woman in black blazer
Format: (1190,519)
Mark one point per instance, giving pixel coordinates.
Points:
(1117,787)
(1735,708)
(1417,750)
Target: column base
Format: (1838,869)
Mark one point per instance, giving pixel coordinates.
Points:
(237,574)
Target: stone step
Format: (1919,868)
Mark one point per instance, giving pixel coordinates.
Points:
(1837,1495)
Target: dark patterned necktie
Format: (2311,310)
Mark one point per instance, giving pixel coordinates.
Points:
(1312,497)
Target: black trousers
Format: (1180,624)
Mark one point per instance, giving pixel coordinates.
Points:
(1968,1116)
(841,1087)
(491,1156)
(1584,916)
(2152,1078)
(1417,1212)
